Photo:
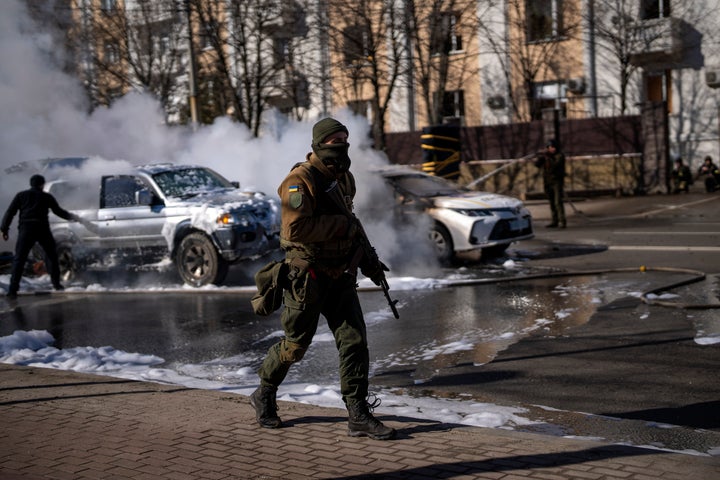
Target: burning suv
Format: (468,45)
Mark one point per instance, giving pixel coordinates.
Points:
(188,213)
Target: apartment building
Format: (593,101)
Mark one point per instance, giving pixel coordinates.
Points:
(407,64)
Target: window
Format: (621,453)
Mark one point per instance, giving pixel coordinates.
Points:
(108,6)
(654,9)
(543,19)
(359,107)
(455,38)
(73,196)
(209,34)
(189,182)
(120,191)
(356,44)
(453,105)
(658,87)
(281,51)
(111,53)
(162,45)
(446,36)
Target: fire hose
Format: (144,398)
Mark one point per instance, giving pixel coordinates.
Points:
(645,297)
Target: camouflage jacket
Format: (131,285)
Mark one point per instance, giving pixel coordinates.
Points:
(314,227)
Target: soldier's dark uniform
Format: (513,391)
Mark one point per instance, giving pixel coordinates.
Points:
(711,173)
(318,236)
(681,176)
(33,227)
(553,169)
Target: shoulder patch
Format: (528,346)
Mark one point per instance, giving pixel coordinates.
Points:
(296,199)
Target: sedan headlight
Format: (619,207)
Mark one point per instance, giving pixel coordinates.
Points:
(474,212)
(229,218)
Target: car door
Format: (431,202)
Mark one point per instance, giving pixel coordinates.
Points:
(125,223)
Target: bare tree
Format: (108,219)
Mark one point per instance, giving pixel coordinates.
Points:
(246,58)
(695,117)
(651,39)
(615,23)
(139,46)
(529,44)
(441,33)
(367,49)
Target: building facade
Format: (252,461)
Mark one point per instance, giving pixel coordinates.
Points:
(407,64)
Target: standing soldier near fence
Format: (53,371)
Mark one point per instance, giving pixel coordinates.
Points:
(552,163)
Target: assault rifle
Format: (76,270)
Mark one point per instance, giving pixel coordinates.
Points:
(386,290)
(365,249)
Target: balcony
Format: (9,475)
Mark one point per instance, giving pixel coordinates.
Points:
(657,41)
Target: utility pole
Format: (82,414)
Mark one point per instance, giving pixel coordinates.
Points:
(324,56)
(409,31)
(192,85)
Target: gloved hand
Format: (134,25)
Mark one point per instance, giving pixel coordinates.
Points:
(86,223)
(376,273)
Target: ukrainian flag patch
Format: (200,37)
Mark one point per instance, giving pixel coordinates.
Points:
(293,188)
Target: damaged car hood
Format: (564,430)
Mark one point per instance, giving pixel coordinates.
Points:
(474,200)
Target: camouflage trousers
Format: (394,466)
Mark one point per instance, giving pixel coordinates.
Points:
(555,194)
(309,295)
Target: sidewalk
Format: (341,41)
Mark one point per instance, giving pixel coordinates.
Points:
(64,425)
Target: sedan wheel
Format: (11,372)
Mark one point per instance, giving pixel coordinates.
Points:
(443,244)
(198,262)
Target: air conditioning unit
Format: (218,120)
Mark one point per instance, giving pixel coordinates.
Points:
(576,85)
(712,78)
(453,120)
(496,102)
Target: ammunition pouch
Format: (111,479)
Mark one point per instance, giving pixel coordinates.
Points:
(303,288)
(270,280)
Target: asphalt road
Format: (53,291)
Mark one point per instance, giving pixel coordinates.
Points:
(630,361)
(628,369)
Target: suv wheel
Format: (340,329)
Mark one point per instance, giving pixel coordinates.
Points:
(198,262)
(443,244)
(66,262)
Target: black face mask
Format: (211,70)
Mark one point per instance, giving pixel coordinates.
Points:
(334,155)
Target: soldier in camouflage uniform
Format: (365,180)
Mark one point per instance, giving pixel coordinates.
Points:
(681,177)
(552,163)
(318,235)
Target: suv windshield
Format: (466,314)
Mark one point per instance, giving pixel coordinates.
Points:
(189,182)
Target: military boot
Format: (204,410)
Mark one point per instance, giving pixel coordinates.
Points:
(263,401)
(362,423)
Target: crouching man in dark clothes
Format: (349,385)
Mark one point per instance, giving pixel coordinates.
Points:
(33,227)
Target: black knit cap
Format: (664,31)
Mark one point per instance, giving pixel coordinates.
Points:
(326,127)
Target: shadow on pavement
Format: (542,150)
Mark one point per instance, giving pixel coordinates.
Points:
(697,415)
(508,464)
(559,250)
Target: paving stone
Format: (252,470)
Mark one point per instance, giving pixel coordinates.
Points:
(53,432)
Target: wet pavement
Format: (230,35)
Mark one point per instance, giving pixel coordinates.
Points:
(635,370)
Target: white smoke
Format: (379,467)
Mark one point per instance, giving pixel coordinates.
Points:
(43,114)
